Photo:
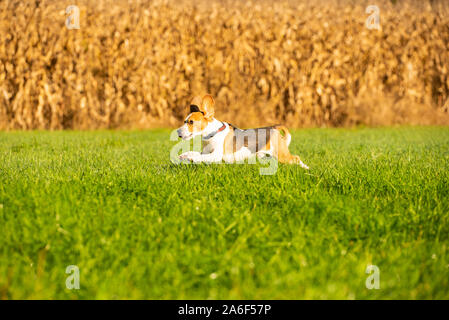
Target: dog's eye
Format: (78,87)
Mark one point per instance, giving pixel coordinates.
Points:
(190,122)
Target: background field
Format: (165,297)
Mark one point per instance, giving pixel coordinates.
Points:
(139,227)
(137,64)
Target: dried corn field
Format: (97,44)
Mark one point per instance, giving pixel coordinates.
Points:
(136,64)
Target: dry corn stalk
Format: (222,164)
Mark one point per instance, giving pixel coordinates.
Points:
(138,63)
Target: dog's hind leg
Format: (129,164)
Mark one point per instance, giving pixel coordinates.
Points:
(283,154)
(296,160)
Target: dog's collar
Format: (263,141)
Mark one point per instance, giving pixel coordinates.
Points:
(209,136)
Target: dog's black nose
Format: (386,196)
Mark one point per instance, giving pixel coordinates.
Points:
(179,136)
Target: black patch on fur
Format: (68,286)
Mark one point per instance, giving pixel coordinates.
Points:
(195,108)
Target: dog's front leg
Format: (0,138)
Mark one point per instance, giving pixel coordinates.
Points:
(213,157)
(197,157)
(189,155)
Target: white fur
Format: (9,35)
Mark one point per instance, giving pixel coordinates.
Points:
(213,152)
(238,156)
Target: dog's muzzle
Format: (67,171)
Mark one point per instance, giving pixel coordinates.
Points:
(183,133)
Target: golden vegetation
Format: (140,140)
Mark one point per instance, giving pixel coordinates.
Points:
(138,63)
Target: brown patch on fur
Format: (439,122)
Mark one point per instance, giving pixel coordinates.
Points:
(281,147)
(207,106)
(273,138)
(231,139)
(229,142)
(201,112)
(267,145)
(196,101)
(263,145)
(196,122)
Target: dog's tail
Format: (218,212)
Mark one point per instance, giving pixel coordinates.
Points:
(285,134)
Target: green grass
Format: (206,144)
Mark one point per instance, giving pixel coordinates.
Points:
(138,226)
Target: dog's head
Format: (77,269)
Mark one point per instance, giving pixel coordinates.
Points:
(201,112)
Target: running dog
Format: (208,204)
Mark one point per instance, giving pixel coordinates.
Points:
(225,142)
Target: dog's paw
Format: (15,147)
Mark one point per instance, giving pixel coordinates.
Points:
(184,155)
(191,156)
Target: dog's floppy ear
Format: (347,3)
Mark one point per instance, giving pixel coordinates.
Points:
(195,104)
(207,106)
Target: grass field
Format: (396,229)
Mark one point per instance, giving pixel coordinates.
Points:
(139,227)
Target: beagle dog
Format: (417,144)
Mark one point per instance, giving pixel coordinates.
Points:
(224,142)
